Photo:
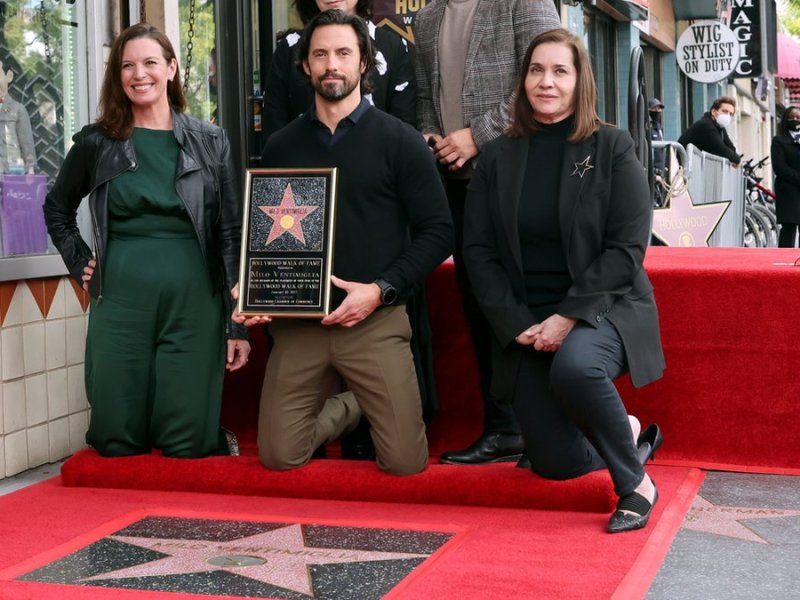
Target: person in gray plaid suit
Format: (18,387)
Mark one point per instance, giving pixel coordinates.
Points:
(469,54)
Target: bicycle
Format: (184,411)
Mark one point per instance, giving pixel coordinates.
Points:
(759,207)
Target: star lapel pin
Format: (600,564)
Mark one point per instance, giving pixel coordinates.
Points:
(582,167)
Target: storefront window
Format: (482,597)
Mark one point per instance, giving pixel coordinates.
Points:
(42,104)
(197,57)
(602,45)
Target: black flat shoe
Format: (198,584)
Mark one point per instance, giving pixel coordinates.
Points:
(648,442)
(640,509)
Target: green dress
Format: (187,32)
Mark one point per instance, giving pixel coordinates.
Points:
(155,347)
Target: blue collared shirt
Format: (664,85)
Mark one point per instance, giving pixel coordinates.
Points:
(342,127)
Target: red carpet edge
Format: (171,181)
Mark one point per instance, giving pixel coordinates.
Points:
(644,570)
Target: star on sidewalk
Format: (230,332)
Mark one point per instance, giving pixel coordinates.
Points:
(706,517)
(684,223)
(287,216)
(279,557)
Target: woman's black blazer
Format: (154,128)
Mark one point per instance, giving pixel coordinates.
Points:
(605,218)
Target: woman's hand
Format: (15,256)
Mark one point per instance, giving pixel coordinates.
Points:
(88,271)
(238,351)
(527,337)
(550,333)
(236,317)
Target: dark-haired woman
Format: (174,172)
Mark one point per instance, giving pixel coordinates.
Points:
(288,93)
(786,163)
(556,227)
(166,226)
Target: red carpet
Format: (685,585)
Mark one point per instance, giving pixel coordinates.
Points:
(499,553)
(491,485)
(728,399)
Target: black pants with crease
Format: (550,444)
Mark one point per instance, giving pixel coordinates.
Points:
(498,416)
(571,415)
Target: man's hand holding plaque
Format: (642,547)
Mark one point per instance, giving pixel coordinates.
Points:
(362,299)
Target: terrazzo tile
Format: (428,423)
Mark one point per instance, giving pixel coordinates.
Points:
(247,558)
(740,540)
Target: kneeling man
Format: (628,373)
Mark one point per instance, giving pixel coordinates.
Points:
(393,227)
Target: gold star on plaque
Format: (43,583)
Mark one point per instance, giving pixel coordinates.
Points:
(287,216)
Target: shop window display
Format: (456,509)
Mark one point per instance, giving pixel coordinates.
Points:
(42,105)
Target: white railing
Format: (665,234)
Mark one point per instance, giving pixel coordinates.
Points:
(713,178)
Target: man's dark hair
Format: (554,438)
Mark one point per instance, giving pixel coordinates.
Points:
(338,17)
(308,9)
(723,100)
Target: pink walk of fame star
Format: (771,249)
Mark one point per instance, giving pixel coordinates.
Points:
(685,223)
(279,557)
(726,520)
(287,216)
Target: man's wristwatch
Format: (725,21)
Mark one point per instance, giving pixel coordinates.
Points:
(388,291)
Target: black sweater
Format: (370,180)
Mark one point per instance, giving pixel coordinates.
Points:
(547,277)
(392,218)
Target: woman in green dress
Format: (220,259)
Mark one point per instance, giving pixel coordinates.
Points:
(166,227)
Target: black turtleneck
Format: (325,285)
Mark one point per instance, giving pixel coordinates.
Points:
(544,263)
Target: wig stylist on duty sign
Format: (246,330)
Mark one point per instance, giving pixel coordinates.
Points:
(707,51)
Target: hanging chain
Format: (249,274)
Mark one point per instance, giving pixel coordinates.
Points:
(45,35)
(189,46)
(142,11)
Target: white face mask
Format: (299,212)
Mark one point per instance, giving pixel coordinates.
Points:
(723,119)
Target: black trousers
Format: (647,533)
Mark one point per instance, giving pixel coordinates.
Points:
(572,417)
(788,234)
(498,415)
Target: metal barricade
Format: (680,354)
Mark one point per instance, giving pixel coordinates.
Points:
(713,178)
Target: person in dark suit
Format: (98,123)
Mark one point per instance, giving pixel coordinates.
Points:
(469,54)
(556,227)
(394,87)
(786,164)
(709,133)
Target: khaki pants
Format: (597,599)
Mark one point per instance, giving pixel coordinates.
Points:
(375,361)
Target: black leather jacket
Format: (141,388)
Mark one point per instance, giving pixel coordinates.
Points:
(205,181)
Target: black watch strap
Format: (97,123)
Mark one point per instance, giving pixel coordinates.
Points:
(388,291)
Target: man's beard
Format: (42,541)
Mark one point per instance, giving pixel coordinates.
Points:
(334,91)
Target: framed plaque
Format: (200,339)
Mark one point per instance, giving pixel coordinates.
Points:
(287,242)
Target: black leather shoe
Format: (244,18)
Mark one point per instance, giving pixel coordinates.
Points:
(524,462)
(640,509)
(489,448)
(358,445)
(648,442)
